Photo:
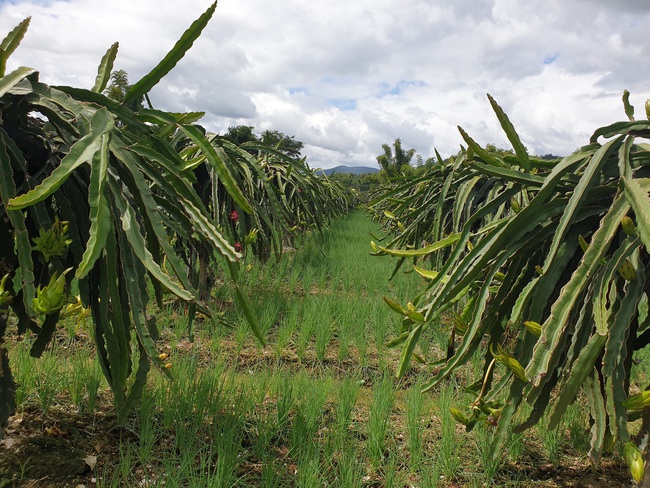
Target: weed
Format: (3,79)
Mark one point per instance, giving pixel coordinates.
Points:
(382,404)
(448,458)
(551,441)
(414,406)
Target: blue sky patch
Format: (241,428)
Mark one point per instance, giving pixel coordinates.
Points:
(387,89)
(551,58)
(342,103)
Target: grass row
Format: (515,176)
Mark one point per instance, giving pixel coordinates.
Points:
(317,406)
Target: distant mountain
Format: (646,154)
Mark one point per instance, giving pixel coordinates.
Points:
(355,170)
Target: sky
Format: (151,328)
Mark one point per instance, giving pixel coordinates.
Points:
(346,76)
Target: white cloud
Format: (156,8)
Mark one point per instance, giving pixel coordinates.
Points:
(345,77)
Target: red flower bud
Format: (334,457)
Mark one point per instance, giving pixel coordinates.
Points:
(238,247)
(234,216)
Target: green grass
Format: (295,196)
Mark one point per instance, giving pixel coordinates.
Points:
(449,456)
(414,417)
(317,406)
(383,396)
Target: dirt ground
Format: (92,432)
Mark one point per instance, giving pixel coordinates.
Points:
(68,449)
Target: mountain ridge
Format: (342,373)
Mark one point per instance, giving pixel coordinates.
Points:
(355,170)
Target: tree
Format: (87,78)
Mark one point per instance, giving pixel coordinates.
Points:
(284,143)
(550,157)
(240,134)
(119,87)
(394,161)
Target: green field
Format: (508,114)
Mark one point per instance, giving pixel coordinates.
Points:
(318,405)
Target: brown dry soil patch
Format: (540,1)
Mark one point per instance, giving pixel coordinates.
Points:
(57,450)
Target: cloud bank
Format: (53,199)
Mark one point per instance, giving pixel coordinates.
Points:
(345,77)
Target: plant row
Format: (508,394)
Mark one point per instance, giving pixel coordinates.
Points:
(125,204)
(542,267)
